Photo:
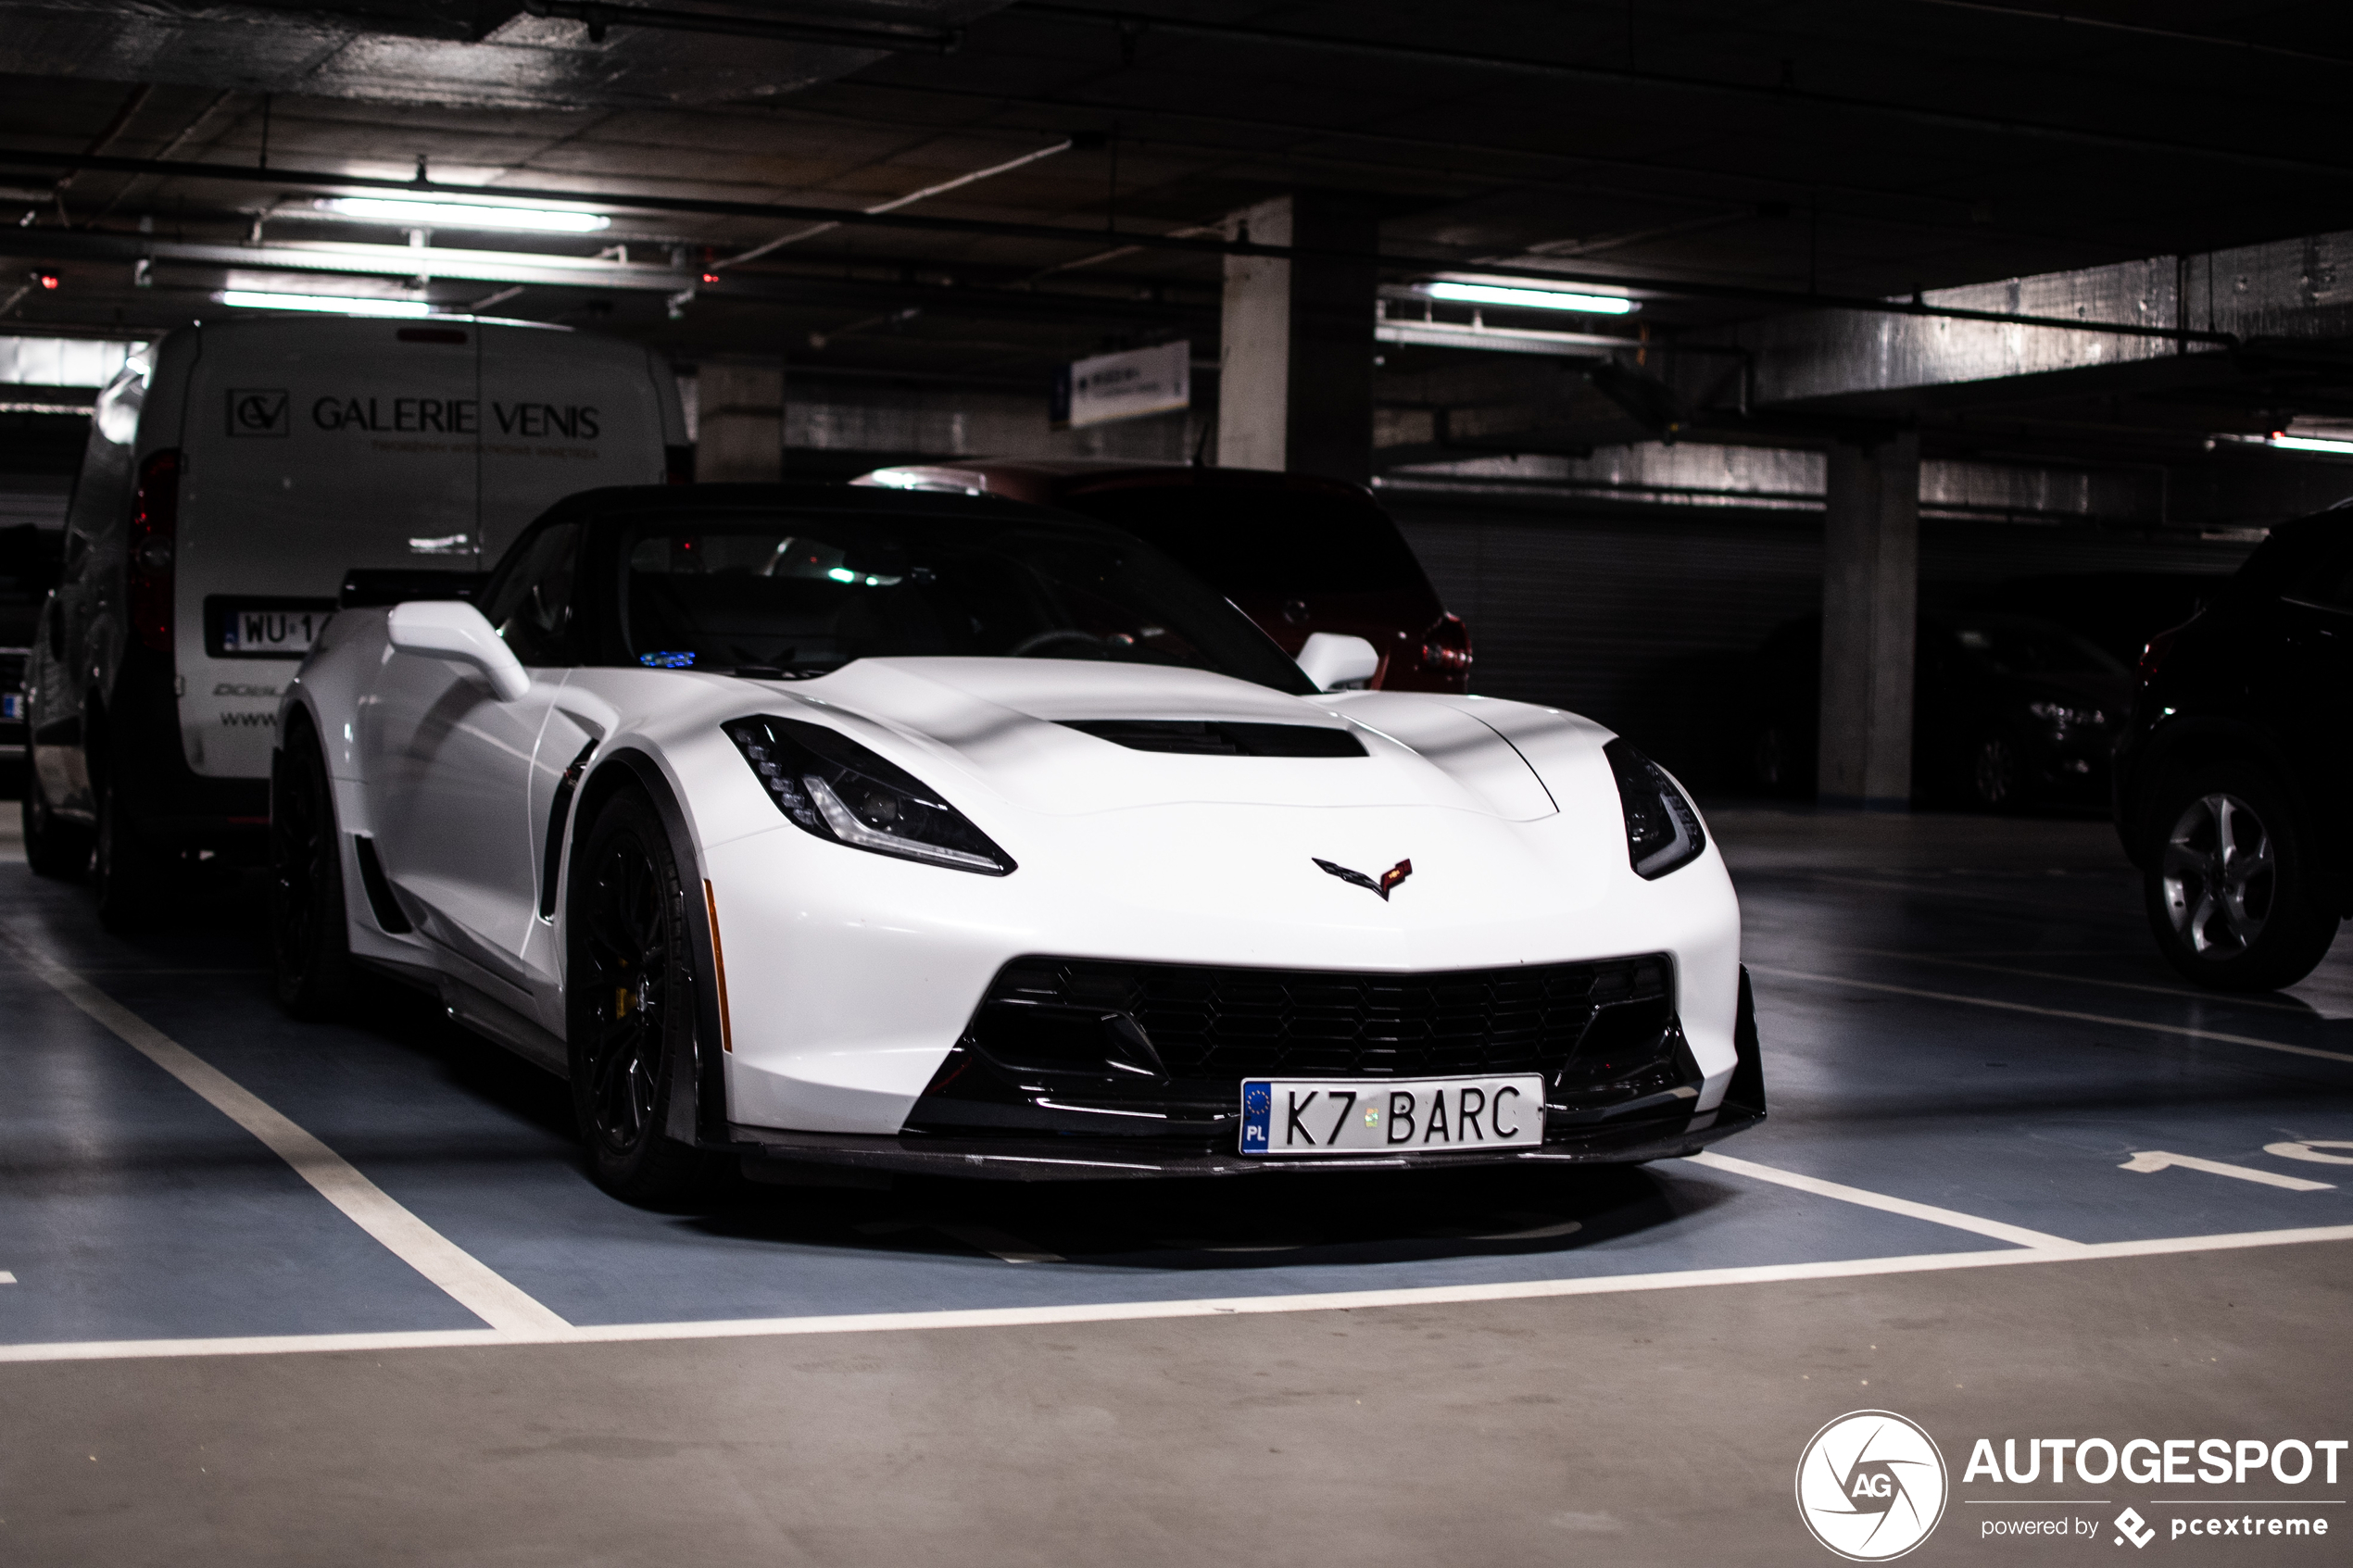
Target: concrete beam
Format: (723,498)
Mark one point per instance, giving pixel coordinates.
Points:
(739,424)
(1295,390)
(2290,292)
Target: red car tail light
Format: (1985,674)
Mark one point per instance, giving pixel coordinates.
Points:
(155,522)
(1447,645)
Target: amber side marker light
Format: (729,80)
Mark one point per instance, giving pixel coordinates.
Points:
(719,963)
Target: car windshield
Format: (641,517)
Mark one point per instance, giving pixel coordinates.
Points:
(1254,543)
(2020,646)
(803,593)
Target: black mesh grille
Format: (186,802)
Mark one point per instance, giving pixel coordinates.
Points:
(1213,1023)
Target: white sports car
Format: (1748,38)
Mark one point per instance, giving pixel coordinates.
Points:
(933,834)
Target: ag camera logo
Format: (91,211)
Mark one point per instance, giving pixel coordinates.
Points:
(1871,1486)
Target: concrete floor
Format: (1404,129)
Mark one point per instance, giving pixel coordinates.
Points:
(1968,1038)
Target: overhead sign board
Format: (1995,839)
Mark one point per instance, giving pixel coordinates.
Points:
(1124,387)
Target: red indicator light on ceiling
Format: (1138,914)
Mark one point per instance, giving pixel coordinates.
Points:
(48,279)
(711,277)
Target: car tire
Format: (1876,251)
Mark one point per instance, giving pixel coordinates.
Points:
(131,879)
(1997,774)
(53,846)
(629,1006)
(2231,891)
(309,931)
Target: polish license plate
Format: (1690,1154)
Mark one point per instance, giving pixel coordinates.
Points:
(255,630)
(1309,1116)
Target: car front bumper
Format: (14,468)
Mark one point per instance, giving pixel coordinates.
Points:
(1659,1126)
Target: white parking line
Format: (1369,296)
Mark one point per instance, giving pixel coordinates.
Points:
(6,1278)
(1135,1311)
(2211,997)
(1905,1205)
(2054,1012)
(465,1278)
(2149,1160)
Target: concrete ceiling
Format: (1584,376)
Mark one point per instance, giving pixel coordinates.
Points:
(1728,151)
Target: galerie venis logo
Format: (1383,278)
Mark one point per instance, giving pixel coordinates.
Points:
(1871,1486)
(456,416)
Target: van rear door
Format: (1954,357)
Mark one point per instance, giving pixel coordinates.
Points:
(316,446)
(312,448)
(563,413)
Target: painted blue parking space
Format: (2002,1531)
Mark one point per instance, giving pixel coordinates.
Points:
(130,1210)
(2006,1041)
(474,1145)
(1995,1042)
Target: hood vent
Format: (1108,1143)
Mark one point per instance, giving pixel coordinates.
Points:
(1219,737)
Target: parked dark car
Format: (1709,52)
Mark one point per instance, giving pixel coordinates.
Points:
(2230,775)
(2005,710)
(2116,610)
(1297,554)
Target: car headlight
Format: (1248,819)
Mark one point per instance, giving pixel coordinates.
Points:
(2062,716)
(1662,831)
(832,788)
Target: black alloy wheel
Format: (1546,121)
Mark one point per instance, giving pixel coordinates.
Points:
(53,846)
(133,880)
(2230,887)
(1996,775)
(309,939)
(630,1005)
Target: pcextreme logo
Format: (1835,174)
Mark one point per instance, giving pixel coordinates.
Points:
(1871,1486)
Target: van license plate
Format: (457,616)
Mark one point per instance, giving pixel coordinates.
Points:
(287,632)
(1392,1115)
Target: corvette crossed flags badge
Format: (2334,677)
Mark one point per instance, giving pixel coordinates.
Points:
(1388,878)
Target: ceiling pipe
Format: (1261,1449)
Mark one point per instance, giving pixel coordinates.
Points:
(894,204)
(1669,288)
(599,17)
(523,268)
(2139,29)
(1422,57)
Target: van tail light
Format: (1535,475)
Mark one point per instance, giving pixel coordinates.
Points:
(1447,645)
(678,466)
(155,523)
(2153,654)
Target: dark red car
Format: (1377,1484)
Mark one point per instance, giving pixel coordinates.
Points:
(1296,554)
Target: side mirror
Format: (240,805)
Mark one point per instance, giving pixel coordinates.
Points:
(456,630)
(1338,663)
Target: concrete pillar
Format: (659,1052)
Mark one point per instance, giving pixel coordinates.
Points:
(739,423)
(1871,597)
(1296,385)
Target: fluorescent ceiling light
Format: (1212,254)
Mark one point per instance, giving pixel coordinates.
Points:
(465,215)
(338,304)
(2314,444)
(1529,298)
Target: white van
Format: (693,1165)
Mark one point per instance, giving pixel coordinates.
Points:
(234,476)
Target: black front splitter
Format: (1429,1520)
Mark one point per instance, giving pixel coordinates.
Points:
(1070,1160)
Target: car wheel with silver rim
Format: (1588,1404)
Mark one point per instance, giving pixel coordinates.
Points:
(2230,887)
(1995,774)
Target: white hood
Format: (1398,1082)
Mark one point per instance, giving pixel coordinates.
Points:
(1003,724)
